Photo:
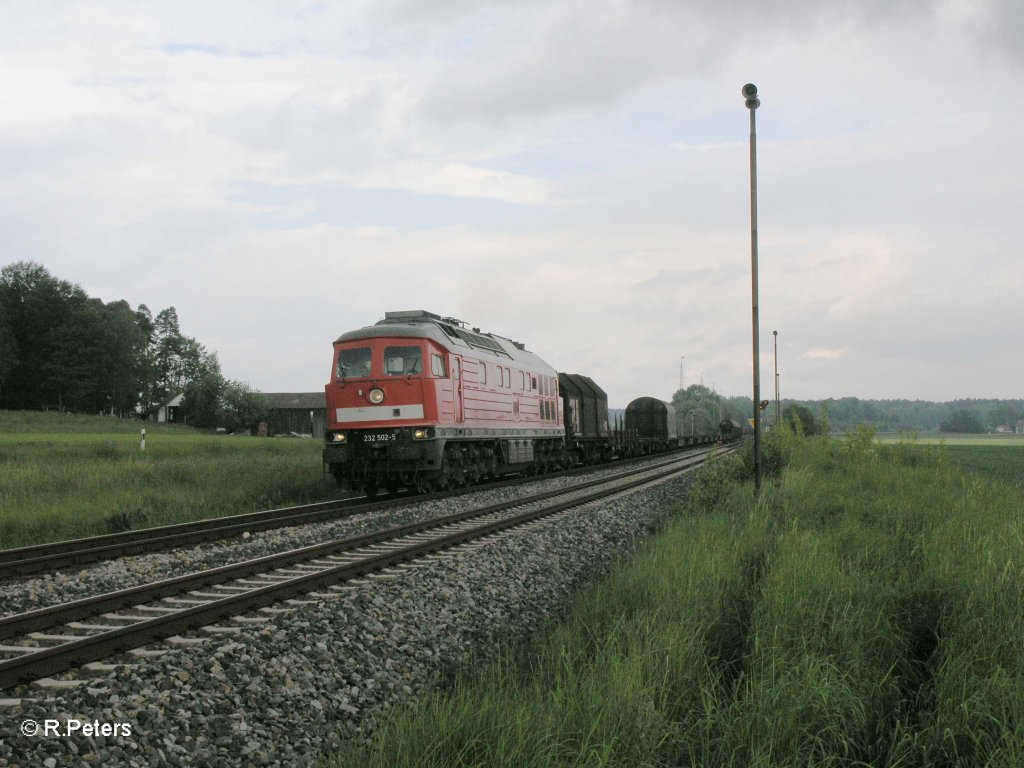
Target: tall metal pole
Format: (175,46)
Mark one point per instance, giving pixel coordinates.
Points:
(752,103)
(776,335)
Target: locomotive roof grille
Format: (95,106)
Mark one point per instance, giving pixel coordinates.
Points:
(479,340)
(410,314)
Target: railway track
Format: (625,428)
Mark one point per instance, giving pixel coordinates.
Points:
(50,640)
(54,556)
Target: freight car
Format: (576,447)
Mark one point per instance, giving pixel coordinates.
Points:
(652,423)
(729,431)
(585,409)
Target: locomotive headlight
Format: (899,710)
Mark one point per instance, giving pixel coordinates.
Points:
(422,433)
(376,395)
(339,437)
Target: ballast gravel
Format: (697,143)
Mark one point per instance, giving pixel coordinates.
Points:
(275,689)
(99,578)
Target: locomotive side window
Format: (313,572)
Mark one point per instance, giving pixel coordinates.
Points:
(533,382)
(483,373)
(354,363)
(403,361)
(437,366)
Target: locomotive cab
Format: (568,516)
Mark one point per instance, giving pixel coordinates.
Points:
(382,411)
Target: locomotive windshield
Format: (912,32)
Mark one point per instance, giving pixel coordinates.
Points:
(354,363)
(403,361)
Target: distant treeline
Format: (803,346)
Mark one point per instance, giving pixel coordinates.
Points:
(700,406)
(62,349)
(968,416)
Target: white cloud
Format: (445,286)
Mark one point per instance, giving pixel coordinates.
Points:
(570,174)
(821,353)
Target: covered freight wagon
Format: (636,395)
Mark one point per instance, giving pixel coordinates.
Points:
(585,409)
(653,422)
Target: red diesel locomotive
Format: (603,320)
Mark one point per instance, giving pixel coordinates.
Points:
(422,401)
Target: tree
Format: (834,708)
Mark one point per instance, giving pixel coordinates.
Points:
(121,348)
(8,346)
(1003,416)
(961,421)
(703,404)
(71,369)
(147,368)
(201,405)
(176,360)
(242,407)
(41,312)
(800,419)
(62,348)
(213,401)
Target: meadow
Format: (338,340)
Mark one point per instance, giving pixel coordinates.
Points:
(947,438)
(65,476)
(986,455)
(865,611)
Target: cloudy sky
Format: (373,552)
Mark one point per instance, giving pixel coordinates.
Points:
(570,174)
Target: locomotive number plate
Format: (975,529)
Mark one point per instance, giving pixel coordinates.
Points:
(380,437)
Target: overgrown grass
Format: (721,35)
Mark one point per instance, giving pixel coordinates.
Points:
(67,476)
(954,438)
(864,612)
(991,461)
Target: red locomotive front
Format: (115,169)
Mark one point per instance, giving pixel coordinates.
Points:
(420,401)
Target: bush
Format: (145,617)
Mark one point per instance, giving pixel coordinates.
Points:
(713,483)
(776,449)
(801,420)
(860,440)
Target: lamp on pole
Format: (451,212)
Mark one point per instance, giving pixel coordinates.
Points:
(752,103)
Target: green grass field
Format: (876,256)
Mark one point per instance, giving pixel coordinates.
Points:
(945,438)
(985,455)
(64,476)
(865,612)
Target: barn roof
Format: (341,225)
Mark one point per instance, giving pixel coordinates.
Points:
(299,400)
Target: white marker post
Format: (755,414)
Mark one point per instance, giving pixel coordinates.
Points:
(142,440)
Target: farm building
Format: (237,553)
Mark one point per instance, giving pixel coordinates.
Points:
(302,413)
(168,411)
